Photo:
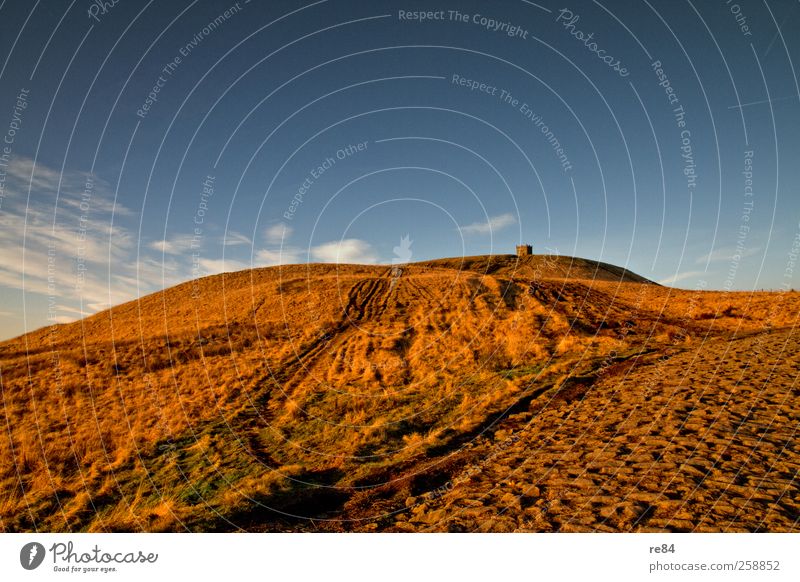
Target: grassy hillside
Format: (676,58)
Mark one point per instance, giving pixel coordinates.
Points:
(346,397)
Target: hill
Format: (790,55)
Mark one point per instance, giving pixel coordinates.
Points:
(553,267)
(483,393)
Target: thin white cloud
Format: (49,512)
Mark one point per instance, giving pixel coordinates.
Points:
(233,238)
(283,256)
(177,245)
(349,250)
(37,177)
(216,266)
(70,185)
(99,205)
(69,309)
(682,277)
(278,233)
(163,246)
(493,224)
(71,254)
(278,252)
(727,254)
(61,244)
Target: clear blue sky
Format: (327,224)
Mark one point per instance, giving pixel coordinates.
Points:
(154,142)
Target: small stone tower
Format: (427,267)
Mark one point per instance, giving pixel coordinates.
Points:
(524,250)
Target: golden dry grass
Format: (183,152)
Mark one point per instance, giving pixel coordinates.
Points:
(483,393)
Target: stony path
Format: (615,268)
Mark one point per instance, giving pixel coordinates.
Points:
(703,441)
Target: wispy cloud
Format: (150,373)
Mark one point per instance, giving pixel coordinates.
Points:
(176,245)
(282,256)
(278,233)
(71,254)
(61,244)
(216,266)
(233,239)
(682,277)
(727,254)
(349,250)
(278,251)
(24,174)
(493,224)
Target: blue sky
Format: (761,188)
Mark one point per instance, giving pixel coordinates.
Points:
(152,143)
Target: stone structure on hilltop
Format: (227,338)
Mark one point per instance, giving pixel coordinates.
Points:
(524,250)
